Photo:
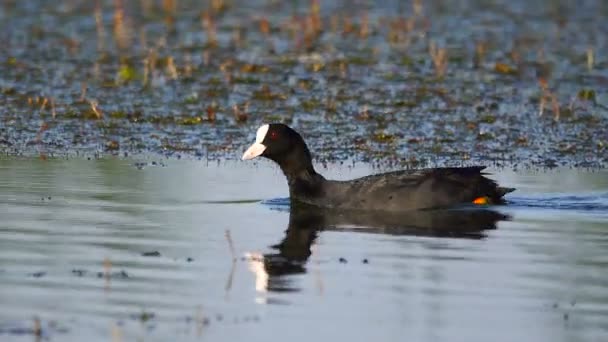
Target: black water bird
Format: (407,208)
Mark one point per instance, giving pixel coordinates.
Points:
(395,191)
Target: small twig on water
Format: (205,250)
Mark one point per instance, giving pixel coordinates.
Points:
(233,267)
(230,245)
(83,91)
(230,279)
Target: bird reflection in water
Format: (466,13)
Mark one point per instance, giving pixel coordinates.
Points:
(306,223)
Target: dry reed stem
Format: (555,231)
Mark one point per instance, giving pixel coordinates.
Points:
(218,5)
(121,31)
(96,71)
(211,112)
(590,58)
(95,108)
(209,28)
(107,272)
(439,58)
(171,69)
(101,33)
(170,6)
(244,114)
(548,95)
(188,67)
(237,37)
(364,27)
(44,102)
(53,113)
(43,127)
(143,39)
(264,27)
(417,6)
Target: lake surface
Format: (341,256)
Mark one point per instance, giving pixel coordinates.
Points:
(116,249)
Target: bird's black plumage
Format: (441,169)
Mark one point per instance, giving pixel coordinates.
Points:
(392,191)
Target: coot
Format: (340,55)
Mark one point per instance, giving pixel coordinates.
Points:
(392,191)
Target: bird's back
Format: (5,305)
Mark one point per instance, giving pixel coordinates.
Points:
(412,189)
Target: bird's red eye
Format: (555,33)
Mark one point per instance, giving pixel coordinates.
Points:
(274,135)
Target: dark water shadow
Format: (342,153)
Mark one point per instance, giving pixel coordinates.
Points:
(594,201)
(305,224)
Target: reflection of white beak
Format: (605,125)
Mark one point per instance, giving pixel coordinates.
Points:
(254,151)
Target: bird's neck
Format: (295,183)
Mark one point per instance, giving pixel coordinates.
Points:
(304,182)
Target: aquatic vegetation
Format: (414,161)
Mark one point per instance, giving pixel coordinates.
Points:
(548,96)
(439,58)
(383,137)
(490,119)
(158,69)
(265,94)
(503,68)
(586,95)
(126,73)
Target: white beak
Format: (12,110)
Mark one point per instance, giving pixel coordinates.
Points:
(254,151)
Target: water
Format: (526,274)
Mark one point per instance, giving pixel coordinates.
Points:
(540,276)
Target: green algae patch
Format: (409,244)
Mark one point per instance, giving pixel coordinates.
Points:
(586,95)
(126,73)
(382,137)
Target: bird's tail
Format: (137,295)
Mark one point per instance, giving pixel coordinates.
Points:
(503,191)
